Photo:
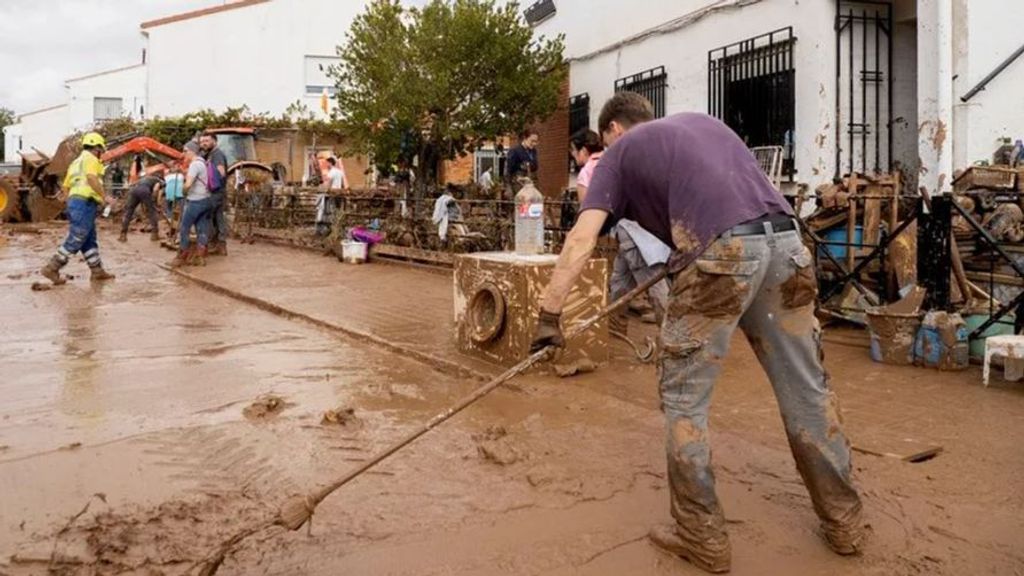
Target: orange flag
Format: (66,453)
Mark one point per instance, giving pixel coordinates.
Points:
(323,100)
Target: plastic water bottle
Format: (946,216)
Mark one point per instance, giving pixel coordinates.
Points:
(529,220)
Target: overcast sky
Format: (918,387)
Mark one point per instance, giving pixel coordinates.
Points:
(45,42)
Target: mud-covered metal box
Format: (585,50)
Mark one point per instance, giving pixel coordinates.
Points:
(497,300)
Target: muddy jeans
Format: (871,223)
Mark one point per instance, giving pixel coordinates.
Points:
(764,284)
(145,198)
(196,213)
(218,221)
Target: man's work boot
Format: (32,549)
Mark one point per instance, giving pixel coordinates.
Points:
(180,259)
(668,540)
(844,541)
(99,274)
(52,272)
(220,249)
(123,236)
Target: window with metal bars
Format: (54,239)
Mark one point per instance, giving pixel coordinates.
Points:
(751,87)
(650,84)
(579,118)
(579,112)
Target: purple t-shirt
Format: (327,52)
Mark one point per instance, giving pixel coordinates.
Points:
(687,179)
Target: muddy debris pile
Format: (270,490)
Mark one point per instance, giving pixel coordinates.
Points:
(496,446)
(343,417)
(167,539)
(265,407)
(580,366)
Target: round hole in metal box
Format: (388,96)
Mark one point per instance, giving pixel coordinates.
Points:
(486,313)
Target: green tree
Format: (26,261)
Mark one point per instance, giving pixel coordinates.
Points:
(434,83)
(6,119)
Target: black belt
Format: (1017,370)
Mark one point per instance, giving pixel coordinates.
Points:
(779,222)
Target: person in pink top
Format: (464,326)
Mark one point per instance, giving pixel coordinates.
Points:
(586,149)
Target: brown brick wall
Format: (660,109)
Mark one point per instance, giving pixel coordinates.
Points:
(553,148)
(458,171)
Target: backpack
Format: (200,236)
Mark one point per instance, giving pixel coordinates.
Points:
(214,181)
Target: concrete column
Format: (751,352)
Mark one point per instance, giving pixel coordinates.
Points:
(935,94)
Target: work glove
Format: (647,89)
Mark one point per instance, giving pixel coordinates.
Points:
(549,332)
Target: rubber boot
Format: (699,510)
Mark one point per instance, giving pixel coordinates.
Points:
(199,257)
(181,258)
(52,272)
(668,540)
(123,237)
(99,274)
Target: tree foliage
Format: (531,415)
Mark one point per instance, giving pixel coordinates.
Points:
(6,119)
(435,82)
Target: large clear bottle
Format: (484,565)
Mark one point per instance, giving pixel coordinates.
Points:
(529,220)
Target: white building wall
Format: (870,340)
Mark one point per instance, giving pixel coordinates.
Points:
(992,30)
(44,129)
(128,84)
(254,56)
(590,25)
(12,142)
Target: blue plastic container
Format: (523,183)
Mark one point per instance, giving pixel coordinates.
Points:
(931,349)
(839,235)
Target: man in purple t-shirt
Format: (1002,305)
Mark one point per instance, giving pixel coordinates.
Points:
(738,261)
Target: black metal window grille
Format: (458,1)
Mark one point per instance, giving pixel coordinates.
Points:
(579,112)
(579,118)
(863,86)
(751,87)
(650,84)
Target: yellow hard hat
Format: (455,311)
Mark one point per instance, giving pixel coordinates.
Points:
(93,139)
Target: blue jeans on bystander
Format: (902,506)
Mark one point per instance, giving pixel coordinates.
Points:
(197,213)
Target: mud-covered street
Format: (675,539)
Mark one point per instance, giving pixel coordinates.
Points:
(148,418)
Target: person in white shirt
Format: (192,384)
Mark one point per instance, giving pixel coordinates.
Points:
(336,179)
(325,207)
(486,181)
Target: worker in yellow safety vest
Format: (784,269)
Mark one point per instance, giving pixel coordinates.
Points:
(83,185)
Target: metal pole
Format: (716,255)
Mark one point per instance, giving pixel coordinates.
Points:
(991,76)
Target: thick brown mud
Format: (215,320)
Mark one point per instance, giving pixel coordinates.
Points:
(148,377)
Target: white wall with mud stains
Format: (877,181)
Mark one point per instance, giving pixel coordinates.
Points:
(128,84)
(988,31)
(595,30)
(253,56)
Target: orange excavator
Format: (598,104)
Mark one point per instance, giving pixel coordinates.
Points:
(143,146)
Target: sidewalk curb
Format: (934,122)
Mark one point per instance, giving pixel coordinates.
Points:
(442,365)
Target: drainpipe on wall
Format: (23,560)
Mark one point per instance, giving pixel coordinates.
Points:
(935,94)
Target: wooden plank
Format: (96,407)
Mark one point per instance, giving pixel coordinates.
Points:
(414,254)
(873,215)
(821,224)
(982,278)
